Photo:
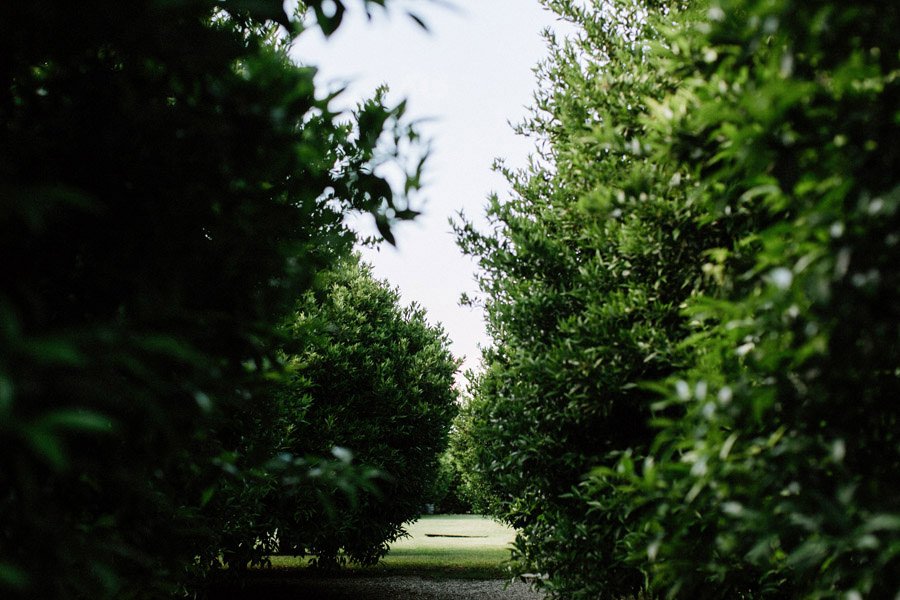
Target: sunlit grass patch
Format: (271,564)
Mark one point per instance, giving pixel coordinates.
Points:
(438,546)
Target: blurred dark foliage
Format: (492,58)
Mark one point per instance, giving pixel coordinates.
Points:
(170,183)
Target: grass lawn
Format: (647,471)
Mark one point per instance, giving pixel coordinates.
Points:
(439,546)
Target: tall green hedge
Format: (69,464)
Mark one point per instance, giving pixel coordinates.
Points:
(584,276)
(692,297)
(374,378)
(779,480)
(169,185)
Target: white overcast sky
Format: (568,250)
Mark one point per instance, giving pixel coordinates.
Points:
(470,76)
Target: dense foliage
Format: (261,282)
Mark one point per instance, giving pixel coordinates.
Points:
(713,206)
(372,377)
(584,274)
(780,480)
(170,184)
(449,495)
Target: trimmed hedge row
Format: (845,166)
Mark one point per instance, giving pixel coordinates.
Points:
(692,296)
(373,377)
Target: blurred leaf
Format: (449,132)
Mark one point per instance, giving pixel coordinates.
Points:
(75,420)
(384,229)
(54,352)
(342,454)
(13,577)
(47,445)
(418,20)
(883,522)
(329,23)
(260,10)
(207,495)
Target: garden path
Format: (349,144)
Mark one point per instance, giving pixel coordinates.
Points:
(382,588)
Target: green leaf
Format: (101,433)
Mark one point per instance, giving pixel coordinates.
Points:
(55,351)
(207,495)
(76,420)
(883,522)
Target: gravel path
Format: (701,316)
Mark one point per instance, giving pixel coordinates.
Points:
(380,588)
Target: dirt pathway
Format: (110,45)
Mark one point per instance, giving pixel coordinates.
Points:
(378,588)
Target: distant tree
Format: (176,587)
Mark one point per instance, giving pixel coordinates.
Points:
(373,378)
(169,183)
(449,494)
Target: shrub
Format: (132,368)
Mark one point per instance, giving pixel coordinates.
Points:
(375,379)
(584,275)
(713,206)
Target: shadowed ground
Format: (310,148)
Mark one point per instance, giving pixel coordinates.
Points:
(446,557)
(388,587)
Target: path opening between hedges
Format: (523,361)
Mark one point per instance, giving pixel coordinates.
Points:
(446,557)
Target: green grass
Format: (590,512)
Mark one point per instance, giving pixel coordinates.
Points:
(478,554)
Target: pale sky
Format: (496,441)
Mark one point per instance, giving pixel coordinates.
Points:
(470,76)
